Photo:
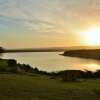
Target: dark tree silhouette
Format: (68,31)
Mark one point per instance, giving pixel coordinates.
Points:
(1,50)
(12,62)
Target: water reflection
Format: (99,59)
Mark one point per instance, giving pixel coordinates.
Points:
(52,61)
(93,66)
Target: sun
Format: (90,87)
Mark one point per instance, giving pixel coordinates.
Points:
(92,36)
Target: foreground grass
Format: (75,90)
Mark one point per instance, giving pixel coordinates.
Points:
(36,87)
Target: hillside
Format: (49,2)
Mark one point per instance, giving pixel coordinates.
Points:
(35,87)
(90,54)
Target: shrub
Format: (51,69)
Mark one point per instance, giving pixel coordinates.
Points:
(97,74)
(69,76)
(2,50)
(12,62)
(89,74)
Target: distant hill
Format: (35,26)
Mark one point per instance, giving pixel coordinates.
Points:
(83,53)
(51,49)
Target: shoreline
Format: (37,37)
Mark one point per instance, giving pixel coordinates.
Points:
(34,50)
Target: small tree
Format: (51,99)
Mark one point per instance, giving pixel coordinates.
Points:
(1,50)
(12,62)
(12,65)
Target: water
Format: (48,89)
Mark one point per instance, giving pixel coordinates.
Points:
(52,61)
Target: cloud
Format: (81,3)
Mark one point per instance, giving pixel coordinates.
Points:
(39,27)
(63,15)
(47,19)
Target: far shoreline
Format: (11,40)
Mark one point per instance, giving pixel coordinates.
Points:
(86,54)
(26,51)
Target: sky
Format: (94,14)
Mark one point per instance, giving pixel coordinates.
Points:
(46,23)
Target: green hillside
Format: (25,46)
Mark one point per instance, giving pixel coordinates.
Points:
(35,87)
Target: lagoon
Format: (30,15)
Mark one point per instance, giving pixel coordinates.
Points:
(52,61)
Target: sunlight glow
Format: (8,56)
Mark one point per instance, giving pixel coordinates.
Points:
(92,36)
(92,66)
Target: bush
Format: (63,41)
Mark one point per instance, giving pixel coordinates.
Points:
(2,50)
(69,76)
(97,74)
(89,74)
(12,62)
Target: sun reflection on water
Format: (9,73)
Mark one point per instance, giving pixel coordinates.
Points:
(93,66)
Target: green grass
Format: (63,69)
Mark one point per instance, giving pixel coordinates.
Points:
(36,87)
(3,63)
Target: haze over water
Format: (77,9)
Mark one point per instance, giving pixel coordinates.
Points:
(52,61)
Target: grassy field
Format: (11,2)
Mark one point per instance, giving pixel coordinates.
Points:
(36,87)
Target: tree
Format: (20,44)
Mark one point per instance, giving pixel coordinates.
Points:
(2,49)
(12,62)
(1,52)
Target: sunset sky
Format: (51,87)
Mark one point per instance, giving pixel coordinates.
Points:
(48,23)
